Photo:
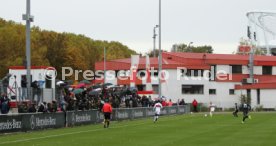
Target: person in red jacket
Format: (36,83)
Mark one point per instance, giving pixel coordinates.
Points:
(107,110)
(195,105)
(170,103)
(164,103)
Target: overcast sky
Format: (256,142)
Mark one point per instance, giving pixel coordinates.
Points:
(220,23)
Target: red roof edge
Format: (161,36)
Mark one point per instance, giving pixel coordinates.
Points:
(145,92)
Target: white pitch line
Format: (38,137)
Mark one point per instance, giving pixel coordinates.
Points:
(58,135)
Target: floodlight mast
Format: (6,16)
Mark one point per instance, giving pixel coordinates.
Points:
(29,18)
(160,55)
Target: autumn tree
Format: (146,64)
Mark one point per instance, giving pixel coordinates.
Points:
(49,48)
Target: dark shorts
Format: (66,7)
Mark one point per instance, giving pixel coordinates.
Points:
(107,116)
(245,113)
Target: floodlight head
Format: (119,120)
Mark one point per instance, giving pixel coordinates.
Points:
(263,26)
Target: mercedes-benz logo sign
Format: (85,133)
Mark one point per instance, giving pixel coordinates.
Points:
(32,121)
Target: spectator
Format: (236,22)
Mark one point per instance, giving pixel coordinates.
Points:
(4,104)
(164,103)
(54,106)
(23,107)
(24,88)
(32,108)
(182,102)
(34,86)
(49,108)
(134,102)
(127,101)
(144,101)
(195,105)
(170,103)
(150,102)
(42,108)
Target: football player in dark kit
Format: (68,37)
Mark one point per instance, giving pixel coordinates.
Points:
(235,113)
(245,108)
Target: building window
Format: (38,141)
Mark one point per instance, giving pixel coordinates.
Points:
(212,91)
(198,73)
(258,96)
(213,73)
(192,72)
(267,70)
(192,89)
(236,69)
(231,91)
(142,73)
(141,87)
(154,73)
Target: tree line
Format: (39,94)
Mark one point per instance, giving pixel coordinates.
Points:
(49,48)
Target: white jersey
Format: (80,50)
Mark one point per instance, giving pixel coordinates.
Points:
(157,107)
(212,107)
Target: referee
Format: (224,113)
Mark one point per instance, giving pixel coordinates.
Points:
(107,110)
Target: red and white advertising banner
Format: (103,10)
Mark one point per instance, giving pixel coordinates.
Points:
(133,69)
(148,76)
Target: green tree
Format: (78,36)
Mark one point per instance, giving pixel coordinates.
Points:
(192,49)
(50,48)
(151,52)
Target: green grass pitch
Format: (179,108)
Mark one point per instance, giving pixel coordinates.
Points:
(180,130)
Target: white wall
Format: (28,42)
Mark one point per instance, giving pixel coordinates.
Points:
(267,98)
(225,68)
(258,70)
(253,98)
(110,77)
(245,69)
(274,70)
(173,90)
(222,97)
(37,74)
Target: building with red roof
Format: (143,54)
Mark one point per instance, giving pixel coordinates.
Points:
(220,78)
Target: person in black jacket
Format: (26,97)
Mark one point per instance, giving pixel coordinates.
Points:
(24,88)
(235,113)
(4,103)
(182,102)
(32,108)
(246,108)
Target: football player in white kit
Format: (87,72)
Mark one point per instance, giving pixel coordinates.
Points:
(157,108)
(212,109)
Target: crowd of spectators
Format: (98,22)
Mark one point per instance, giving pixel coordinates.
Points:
(88,98)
